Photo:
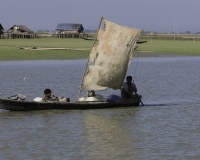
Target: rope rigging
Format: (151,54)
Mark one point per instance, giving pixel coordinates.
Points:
(138,53)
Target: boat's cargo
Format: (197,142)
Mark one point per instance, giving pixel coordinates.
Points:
(17,97)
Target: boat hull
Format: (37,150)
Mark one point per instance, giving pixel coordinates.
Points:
(20,105)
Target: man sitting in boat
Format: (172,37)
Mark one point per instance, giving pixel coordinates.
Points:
(47,97)
(128,88)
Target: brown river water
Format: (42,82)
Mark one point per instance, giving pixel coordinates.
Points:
(166,127)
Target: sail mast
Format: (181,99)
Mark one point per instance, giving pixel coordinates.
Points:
(80,87)
(132,50)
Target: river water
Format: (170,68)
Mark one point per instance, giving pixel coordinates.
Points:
(167,127)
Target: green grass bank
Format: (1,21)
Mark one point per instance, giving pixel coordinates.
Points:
(9,51)
(169,48)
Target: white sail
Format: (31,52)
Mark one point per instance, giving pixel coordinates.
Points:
(109,60)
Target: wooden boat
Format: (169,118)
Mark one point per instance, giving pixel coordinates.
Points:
(106,68)
(21,105)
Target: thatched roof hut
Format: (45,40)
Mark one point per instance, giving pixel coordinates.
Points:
(20,29)
(1,29)
(69,28)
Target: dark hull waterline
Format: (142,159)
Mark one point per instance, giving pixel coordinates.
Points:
(19,105)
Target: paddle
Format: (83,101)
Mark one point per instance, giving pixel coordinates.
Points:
(139,99)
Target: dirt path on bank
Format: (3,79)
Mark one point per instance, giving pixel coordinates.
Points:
(44,48)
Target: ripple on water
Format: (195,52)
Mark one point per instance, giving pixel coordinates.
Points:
(167,127)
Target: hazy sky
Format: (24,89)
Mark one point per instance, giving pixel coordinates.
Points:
(151,15)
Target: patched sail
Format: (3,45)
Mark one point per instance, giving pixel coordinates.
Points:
(109,60)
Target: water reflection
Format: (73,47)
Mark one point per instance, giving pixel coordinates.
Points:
(108,133)
(167,127)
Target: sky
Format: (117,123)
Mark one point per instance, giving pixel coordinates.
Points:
(151,15)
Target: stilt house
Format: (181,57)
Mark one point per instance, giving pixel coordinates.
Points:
(20,29)
(64,28)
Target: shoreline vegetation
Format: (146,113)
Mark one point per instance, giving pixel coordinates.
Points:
(75,48)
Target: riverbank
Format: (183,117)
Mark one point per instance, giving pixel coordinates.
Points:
(9,48)
(155,47)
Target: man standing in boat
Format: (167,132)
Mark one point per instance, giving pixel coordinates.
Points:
(128,88)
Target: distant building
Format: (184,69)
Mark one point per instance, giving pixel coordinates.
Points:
(20,29)
(69,28)
(152,33)
(186,32)
(1,29)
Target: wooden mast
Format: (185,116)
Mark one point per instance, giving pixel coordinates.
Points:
(80,87)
